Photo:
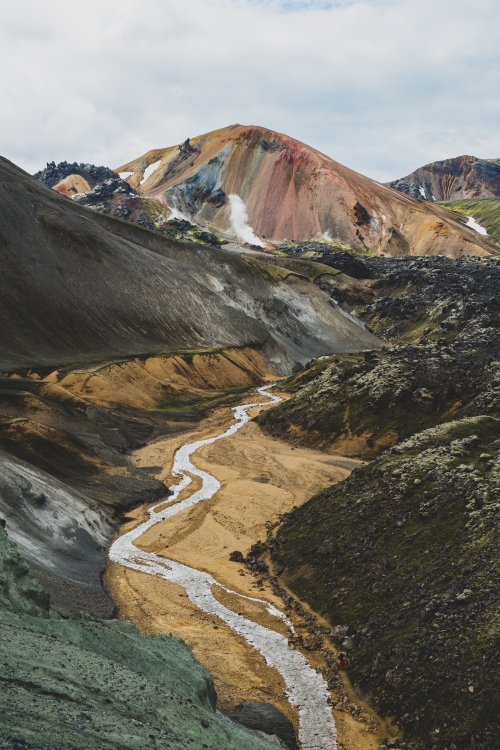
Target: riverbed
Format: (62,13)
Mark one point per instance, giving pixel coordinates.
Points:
(175,560)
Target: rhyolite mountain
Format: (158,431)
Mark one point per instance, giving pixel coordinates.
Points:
(452,179)
(293,192)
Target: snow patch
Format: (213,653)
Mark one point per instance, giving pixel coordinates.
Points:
(125,175)
(239,222)
(472,223)
(149,171)
(422,193)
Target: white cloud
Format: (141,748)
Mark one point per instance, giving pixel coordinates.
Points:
(383,86)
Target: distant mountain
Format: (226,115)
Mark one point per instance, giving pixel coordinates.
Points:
(453,179)
(263,186)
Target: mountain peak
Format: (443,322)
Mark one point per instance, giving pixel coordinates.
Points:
(288,190)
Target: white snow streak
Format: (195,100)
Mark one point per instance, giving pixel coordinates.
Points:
(124,175)
(477,227)
(306,689)
(149,171)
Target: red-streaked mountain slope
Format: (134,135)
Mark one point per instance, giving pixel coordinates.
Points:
(291,191)
(453,179)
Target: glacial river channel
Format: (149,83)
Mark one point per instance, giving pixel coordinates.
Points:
(306,689)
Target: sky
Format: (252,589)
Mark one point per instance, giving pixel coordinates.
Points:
(382,86)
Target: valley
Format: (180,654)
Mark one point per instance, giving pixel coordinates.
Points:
(249,423)
(202,537)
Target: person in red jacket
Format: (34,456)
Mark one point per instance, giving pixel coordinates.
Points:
(342,661)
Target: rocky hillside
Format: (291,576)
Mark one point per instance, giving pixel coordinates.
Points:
(112,334)
(104,191)
(453,179)
(99,684)
(263,186)
(401,556)
(77,286)
(445,316)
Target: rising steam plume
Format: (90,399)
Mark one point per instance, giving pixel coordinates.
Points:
(239,222)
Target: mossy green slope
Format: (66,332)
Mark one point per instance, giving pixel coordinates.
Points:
(90,685)
(486,211)
(405,553)
(20,592)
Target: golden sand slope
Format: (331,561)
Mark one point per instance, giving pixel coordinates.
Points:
(260,478)
(142,383)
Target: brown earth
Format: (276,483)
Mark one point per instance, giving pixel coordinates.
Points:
(72,185)
(261,478)
(142,383)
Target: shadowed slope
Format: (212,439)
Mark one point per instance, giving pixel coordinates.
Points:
(76,285)
(291,191)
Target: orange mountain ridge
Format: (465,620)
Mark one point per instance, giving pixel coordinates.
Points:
(292,191)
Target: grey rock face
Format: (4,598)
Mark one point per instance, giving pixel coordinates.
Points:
(63,534)
(266,718)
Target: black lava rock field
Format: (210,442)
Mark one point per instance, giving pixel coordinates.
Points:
(403,557)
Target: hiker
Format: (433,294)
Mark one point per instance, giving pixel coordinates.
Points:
(342,661)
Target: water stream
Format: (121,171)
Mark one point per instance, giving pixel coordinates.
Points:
(305,688)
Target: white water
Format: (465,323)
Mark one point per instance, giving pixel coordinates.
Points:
(306,689)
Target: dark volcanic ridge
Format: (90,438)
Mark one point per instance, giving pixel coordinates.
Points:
(78,286)
(402,557)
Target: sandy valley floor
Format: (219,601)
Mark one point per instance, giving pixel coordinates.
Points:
(260,478)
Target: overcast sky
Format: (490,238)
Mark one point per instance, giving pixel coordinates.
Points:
(382,86)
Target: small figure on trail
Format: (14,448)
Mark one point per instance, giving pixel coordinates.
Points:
(342,660)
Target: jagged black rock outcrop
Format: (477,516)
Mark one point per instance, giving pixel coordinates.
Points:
(54,173)
(113,196)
